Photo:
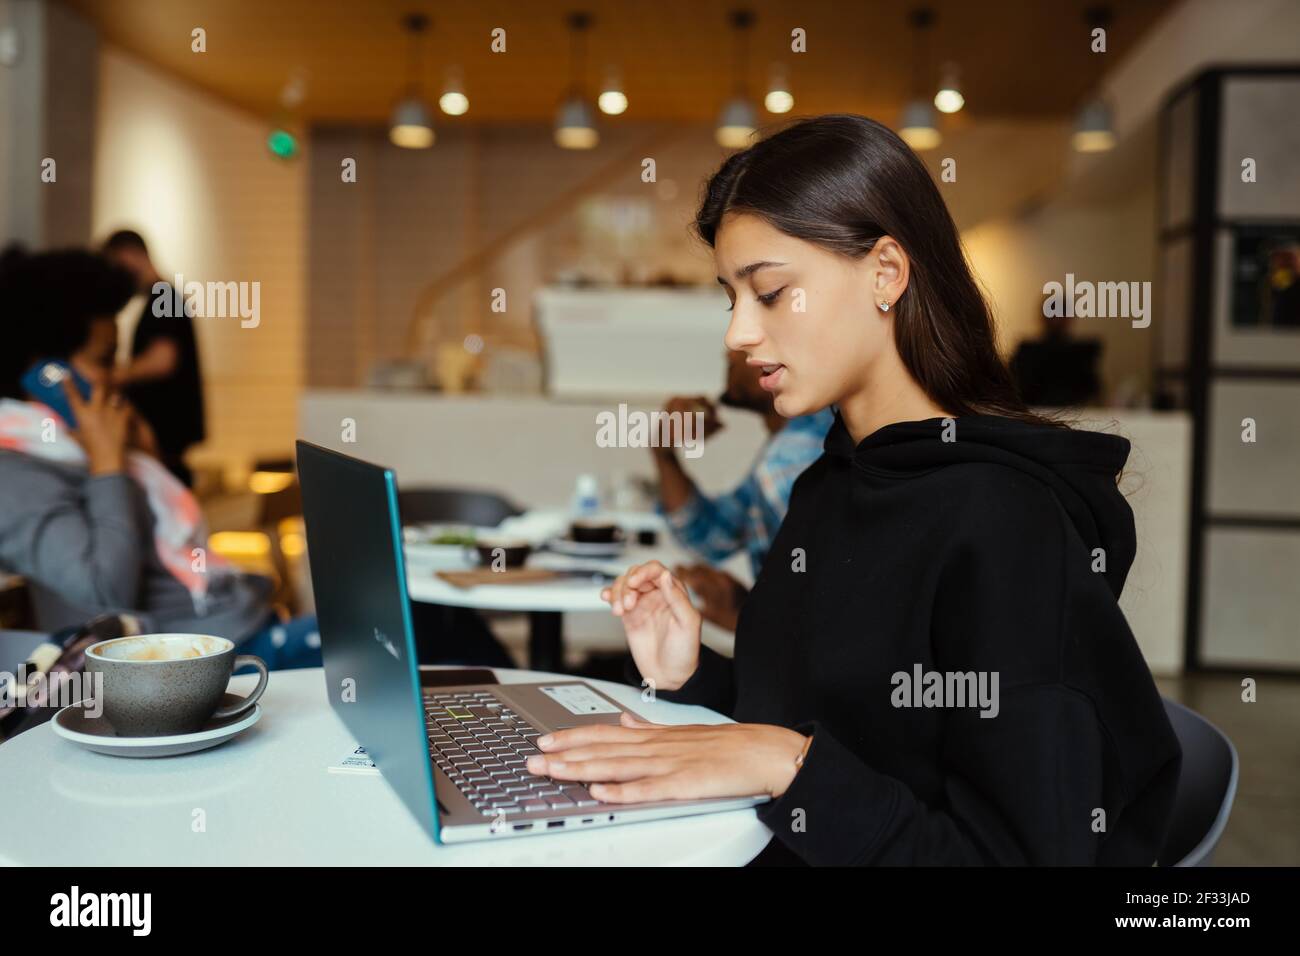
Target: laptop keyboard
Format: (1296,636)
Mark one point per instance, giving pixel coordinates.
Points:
(482,745)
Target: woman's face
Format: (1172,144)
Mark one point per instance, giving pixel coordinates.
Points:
(810,317)
(94,360)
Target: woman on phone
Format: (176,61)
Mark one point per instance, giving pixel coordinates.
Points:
(932,667)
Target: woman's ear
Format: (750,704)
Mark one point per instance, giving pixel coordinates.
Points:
(892,270)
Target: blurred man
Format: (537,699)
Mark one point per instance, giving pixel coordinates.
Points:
(163,379)
(1057,370)
(748,517)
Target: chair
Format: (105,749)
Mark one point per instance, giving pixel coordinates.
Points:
(1207,786)
(455,506)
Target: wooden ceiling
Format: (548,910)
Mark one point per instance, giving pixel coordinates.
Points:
(1019,58)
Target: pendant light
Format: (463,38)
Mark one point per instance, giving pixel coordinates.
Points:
(612,100)
(917,127)
(453,100)
(739,118)
(411,126)
(779,99)
(575,123)
(1094,130)
(949,98)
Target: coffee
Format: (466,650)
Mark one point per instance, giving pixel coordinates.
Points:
(176,647)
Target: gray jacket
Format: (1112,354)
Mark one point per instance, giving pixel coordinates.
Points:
(85,545)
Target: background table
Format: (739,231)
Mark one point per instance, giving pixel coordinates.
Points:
(545,603)
(269,800)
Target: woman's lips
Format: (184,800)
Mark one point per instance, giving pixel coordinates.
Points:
(772,376)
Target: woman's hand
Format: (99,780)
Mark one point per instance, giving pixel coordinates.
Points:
(663,628)
(639,761)
(720,594)
(103,427)
(141,436)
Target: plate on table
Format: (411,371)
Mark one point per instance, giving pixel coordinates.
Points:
(97,734)
(588,549)
(441,542)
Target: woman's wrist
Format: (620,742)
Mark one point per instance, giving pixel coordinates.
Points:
(107,463)
(788,760)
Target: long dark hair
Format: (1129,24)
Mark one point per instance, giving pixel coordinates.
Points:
(844,181)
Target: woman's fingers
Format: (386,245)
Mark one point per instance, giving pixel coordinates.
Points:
(627,720)
(600,769)
(679,602)
(646,790)
(591,734)
(75,401)
(627,589)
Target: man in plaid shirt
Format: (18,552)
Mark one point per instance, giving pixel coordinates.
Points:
(717,527)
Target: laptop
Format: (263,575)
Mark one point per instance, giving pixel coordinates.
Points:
(454,755)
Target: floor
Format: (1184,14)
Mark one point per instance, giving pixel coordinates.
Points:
(1264,829)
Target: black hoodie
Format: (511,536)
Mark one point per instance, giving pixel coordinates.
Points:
(940,556)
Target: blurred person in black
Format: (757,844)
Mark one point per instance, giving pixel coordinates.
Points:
(1057,370)
(163,379)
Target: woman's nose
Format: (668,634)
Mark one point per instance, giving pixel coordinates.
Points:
(743,332)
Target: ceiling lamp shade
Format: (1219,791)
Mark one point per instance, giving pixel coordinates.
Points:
(575,121)
(575,125)
(779,99)
(738,120)
(411,126)
(949,99)
(737,123)
(1093,131)
(453,101)
(917,127)
(612,100)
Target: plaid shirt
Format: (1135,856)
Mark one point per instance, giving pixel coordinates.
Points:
(748,517)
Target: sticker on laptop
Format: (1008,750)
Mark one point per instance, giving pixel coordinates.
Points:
(580,699)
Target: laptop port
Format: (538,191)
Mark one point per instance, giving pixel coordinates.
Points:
(554,823)
(588,819)
(523,826)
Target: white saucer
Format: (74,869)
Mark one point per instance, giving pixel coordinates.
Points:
(587,549)
(97,734)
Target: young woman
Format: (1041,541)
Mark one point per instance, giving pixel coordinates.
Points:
(932,667)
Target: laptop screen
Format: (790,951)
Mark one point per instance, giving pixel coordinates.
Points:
(354,549)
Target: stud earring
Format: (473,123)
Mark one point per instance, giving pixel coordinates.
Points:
(884,305)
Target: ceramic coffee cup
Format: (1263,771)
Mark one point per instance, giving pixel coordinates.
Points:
(160,684)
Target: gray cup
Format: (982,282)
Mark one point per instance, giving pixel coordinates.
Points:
(161,684)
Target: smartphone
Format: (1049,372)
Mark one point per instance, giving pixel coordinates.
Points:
(43,382)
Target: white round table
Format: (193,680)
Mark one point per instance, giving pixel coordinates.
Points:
(267,799)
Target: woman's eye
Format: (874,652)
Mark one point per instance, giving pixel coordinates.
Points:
(771,296)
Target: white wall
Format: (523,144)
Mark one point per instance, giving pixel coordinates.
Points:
(193,175)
